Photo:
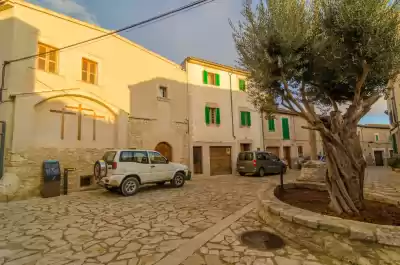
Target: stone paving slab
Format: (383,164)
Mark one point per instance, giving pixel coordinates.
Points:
(226,248)
(100,227)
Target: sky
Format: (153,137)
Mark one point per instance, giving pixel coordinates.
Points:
(202,32)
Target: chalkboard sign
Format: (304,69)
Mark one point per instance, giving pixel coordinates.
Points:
(51,170)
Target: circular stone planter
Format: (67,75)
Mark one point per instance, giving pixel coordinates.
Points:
(346,240)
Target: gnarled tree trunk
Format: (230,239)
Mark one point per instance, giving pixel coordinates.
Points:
(345,166)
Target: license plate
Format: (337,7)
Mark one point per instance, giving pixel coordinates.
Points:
(241,167)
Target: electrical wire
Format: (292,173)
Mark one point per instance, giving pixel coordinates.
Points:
(162,16)
(155,18)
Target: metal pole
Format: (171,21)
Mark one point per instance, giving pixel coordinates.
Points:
(2,146)
(65,183)
(281,178)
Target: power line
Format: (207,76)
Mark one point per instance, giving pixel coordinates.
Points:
(187,7)
(164,15)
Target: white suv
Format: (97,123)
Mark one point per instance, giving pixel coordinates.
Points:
(126,170)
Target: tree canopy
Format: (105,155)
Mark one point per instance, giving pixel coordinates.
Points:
(329,52)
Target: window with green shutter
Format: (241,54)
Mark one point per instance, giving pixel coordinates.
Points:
(212,116)
(285,129)
(242,85)
(271,125)
(376,137)
(245,119)
(211,78)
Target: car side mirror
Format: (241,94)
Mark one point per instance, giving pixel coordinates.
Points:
(166,160)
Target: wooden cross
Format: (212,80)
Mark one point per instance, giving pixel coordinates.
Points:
(94,116)
(80,110)
(62,112)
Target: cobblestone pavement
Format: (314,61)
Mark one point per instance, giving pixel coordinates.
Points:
(197,224)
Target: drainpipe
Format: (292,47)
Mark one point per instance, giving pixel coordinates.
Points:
(262,131)
(3,79)
(2,147)
(230,92)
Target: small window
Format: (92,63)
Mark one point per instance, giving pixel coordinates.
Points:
(213,115)
(300,150)
(271,125)
(246,156)
(245,119)
(242,85)
(211,78)
(89,71)
(134,156)
(157,158)
(163,92)
(376,137)
(109,156)
(47,60)
(261,156)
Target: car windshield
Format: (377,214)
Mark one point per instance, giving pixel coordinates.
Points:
(109,156)
(246,156)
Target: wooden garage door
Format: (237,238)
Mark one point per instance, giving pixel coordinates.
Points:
(220,160)
(274,150)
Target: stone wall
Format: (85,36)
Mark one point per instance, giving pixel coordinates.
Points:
(346,240)
(27,167)
(313,171)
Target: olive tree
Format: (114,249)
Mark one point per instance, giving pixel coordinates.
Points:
(336,55)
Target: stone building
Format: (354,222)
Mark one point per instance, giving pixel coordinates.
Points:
(221,119)
(73,104)
(376,143)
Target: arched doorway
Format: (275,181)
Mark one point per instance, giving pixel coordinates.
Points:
(165,149)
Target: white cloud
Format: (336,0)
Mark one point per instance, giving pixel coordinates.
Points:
(378,108)
(72,8)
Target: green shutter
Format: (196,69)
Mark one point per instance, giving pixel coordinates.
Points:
(248,118)
(218,118)
(271,125)
(394,144)
(285,129)
(207,115)
(376,137)
(242,85)
(205,77)
(243,118)
(217,82)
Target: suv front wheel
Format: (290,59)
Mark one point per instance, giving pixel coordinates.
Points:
(129,186)
(178,180)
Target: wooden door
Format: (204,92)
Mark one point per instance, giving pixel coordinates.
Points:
(274,150)
(220,160)
(245,147)
(286,155)
(165,149)
(378,158)
(198,160)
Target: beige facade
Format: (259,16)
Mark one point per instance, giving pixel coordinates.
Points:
(73,104)
(215,146)
(376,143)
(374,138)
(392,100)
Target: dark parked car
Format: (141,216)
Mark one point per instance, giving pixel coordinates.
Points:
(259,163)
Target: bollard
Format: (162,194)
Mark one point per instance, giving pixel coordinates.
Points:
(65,183)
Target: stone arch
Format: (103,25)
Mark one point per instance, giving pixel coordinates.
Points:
(78,96)
(165,149)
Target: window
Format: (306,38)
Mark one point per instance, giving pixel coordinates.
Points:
(163,92)
(47,60)
(109,156)
(300,150)
(285,129)
(271,125)
(246,156)
(261,156)
(89,71)
(211,78)
(157,158)
(212,116)
(134,156)
(245,119)
(376,137)
(242,85)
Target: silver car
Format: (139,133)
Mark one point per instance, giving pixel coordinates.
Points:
(259,163)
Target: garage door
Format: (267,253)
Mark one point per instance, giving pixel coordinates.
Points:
(220,160)
(274,150)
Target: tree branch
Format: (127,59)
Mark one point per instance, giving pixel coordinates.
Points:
(360,82)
